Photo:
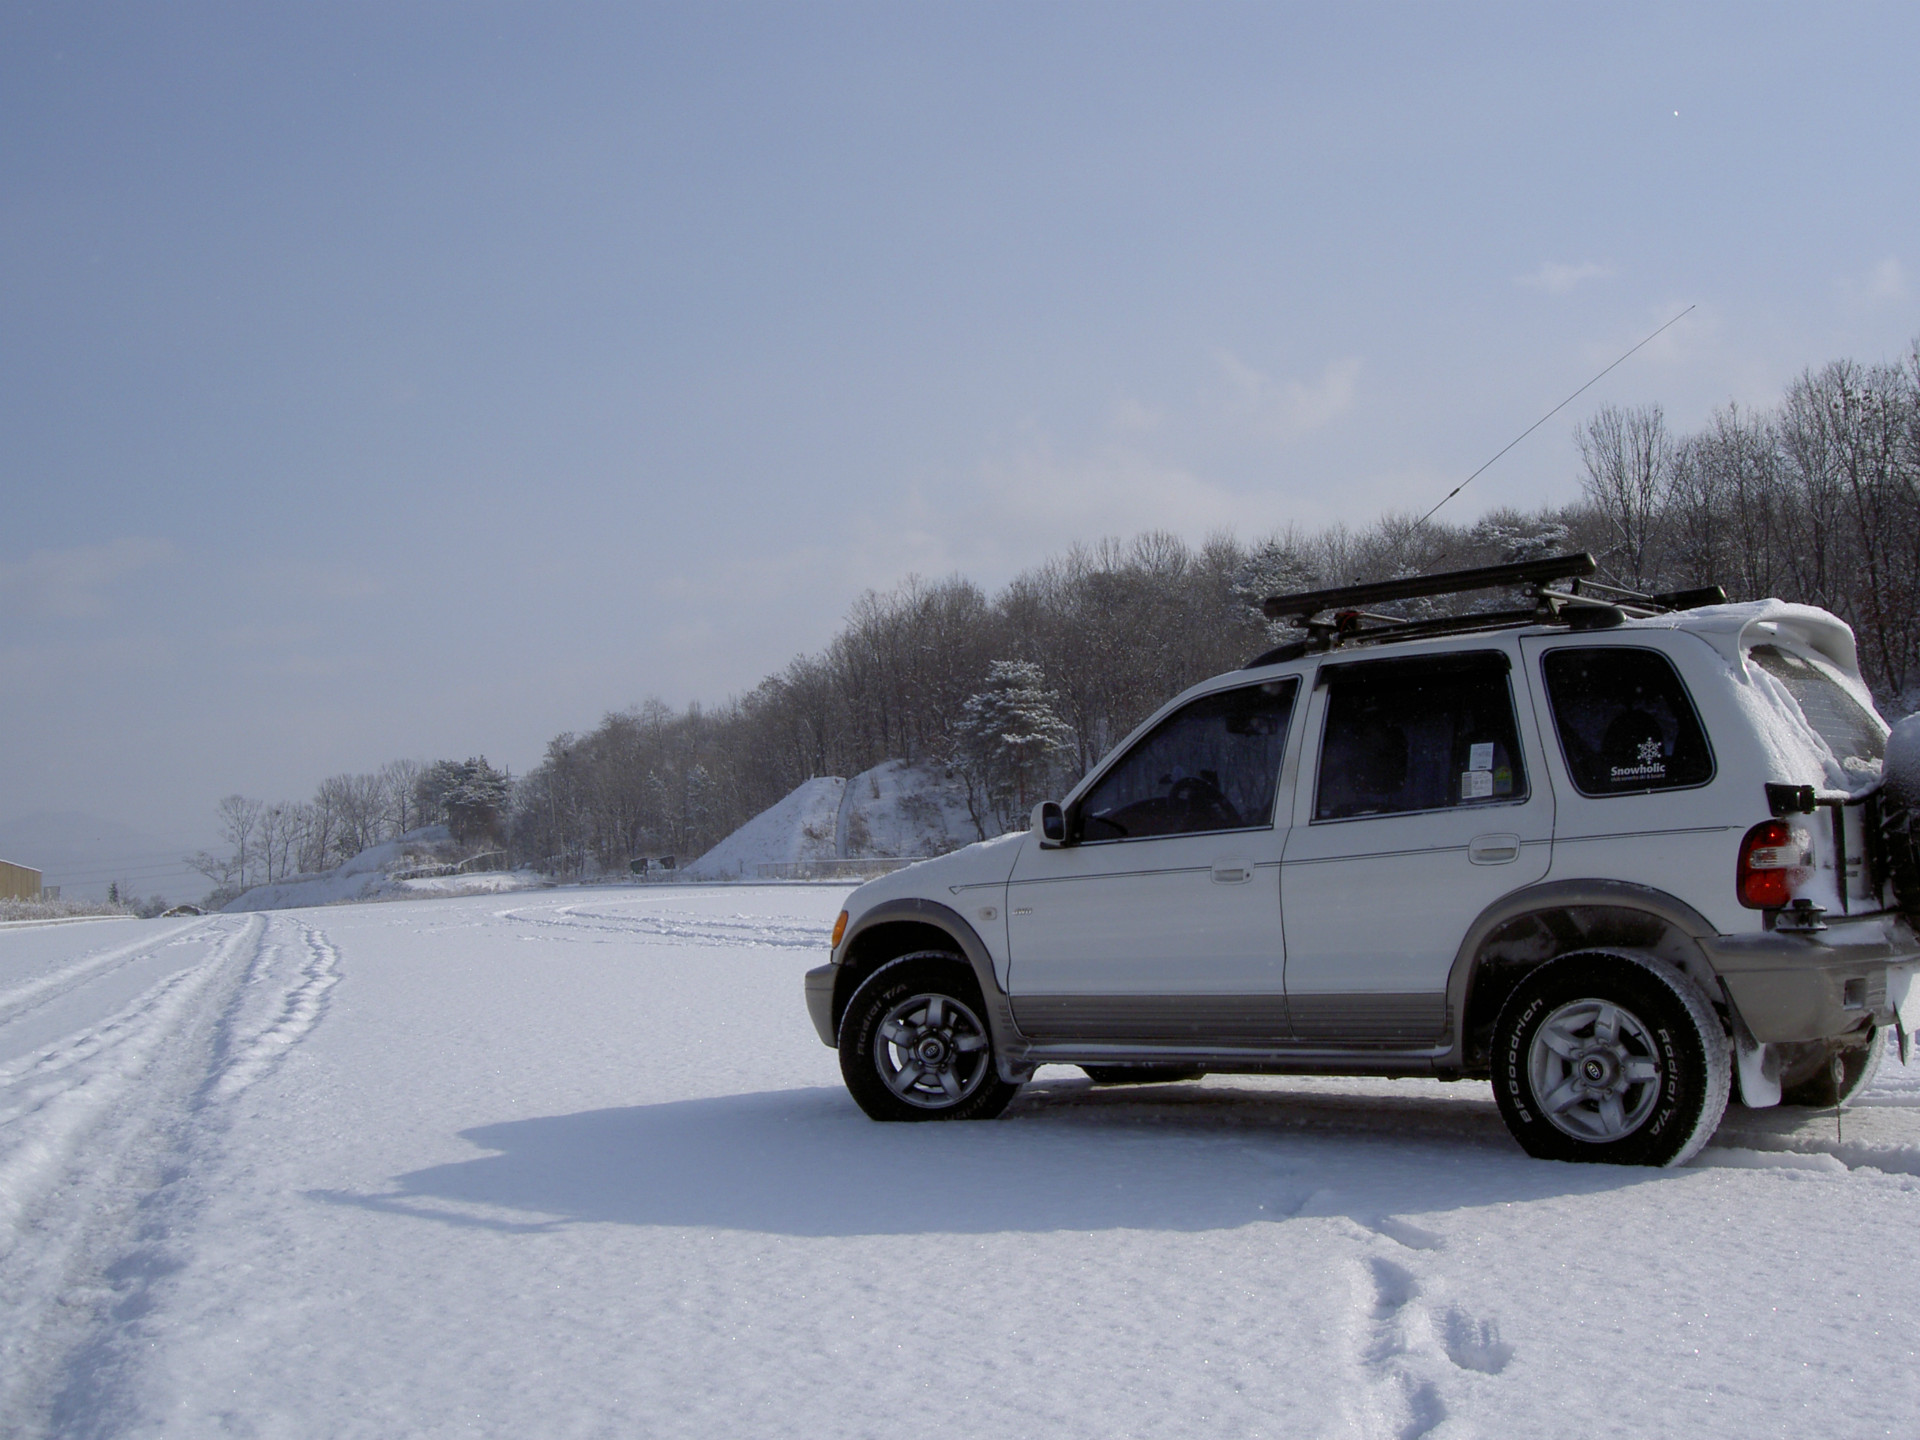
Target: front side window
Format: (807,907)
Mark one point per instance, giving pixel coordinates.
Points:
(1211,765)
(1627,725)
(1851,733)
(1406,736)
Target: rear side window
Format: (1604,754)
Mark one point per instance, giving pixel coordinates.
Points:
(1211,765)
(1627,725)
(1407,736)
(1850,732)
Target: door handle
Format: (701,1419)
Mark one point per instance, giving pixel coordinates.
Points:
(1232,872)
(1493,849)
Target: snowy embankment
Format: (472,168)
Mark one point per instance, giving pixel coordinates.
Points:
(895,810)
(379,873)
(799,827)
(575,1164)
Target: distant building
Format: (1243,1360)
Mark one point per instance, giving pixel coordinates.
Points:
(18,882)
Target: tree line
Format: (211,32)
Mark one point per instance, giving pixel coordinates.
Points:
(1815,499)
(266,842)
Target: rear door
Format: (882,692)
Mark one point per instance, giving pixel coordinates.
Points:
(1423,802)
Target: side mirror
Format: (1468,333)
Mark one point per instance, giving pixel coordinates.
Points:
(1050,824)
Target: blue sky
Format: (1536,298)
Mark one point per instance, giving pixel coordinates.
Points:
(383,380)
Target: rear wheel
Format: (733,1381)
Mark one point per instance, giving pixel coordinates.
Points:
(1610,1057)
(914,1044)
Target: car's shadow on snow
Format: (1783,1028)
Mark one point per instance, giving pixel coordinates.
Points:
(1067,1157)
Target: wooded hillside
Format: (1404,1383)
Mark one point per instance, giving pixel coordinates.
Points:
(1816,500)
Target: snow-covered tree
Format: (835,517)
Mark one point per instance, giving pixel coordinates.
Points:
(1278,565)
(471,794)
(1009,735)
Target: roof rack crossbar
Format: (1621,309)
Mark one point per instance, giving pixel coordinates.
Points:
(1308,603)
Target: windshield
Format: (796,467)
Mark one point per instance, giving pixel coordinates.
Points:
(1853,734)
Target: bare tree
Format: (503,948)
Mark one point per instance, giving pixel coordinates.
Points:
(1628,460)
(399,783)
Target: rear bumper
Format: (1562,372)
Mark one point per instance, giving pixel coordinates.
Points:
(820,1002)
(1819,986)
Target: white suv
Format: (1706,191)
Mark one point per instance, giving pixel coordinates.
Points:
(1616,854)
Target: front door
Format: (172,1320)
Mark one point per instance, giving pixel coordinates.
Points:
(1422,804)
(1161,922)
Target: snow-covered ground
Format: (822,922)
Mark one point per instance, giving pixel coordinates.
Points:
(574,1164)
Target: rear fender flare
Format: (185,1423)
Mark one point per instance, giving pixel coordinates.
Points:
(1681,928)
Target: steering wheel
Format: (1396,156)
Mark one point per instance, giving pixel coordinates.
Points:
(1202,803)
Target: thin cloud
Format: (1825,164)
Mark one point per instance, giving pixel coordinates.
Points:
(1695,337)
(73,584)
(329,583)
(1287,409)
(1886,281)
(1013,511)
(1556,277)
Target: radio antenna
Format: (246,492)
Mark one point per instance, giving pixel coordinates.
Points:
(1551,413)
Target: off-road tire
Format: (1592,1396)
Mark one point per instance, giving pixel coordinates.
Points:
(1810,1083)
(930,1001)
(1141,1074)
(1666,1052)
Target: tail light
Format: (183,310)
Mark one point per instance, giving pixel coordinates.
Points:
(1773,860)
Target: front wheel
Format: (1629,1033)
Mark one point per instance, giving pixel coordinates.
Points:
(1611,1058)
(914,1045)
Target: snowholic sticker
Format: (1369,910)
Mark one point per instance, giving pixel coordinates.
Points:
(1651,766)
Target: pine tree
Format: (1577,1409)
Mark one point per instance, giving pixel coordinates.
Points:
(472,795)
(1277,566)
(1010,734)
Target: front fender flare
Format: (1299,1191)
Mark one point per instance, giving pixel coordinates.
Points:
(1009,1045)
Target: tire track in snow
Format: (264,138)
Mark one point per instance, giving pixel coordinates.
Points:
(301,1006)
(21,999)
(89,1131)
(49,1100)
(740,930)
(106,1139)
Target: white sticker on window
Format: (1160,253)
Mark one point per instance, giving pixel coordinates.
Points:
(1480,757)
(1476,784)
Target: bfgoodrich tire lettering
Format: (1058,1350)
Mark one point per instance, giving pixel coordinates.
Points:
(915,1045)
(1610,1057)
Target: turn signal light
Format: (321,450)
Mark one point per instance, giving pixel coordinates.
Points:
(839,930)
(1772,861)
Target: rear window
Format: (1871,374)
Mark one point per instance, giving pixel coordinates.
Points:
(1627,725)
(1404,736)
(1851,733)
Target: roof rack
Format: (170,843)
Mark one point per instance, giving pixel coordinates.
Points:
(1585,605)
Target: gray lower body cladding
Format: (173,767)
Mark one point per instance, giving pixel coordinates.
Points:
(1201,1020)
(1791,987)
(820,1002)
(1230,1021)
